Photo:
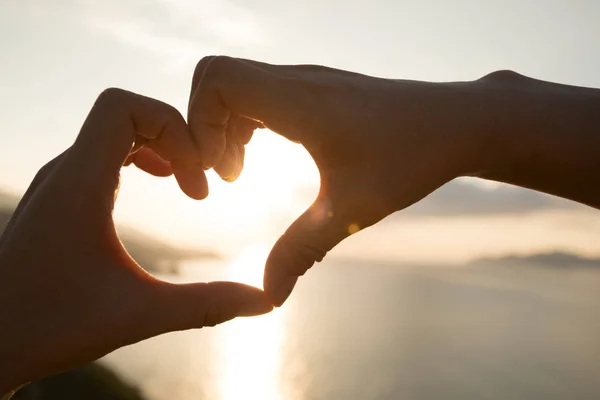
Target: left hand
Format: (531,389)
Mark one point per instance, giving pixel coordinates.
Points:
(69,292)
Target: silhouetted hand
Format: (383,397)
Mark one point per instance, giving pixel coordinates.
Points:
(380,145)
(69,292)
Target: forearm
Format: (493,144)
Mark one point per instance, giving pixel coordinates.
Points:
(536,134)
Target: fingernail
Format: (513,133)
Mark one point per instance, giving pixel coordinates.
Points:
(234,164)
(255,307)
(230,167)
(283,289)
(213,144)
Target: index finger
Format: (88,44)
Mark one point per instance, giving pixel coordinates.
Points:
(117,120)
(224,86)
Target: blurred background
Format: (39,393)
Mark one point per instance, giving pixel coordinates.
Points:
(480,291)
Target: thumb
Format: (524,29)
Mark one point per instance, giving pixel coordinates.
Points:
(196,305)
(305,242)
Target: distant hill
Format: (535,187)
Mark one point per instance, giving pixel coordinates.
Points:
(150,253)
(91,382)
(8,200)
(556,259)
(157,256)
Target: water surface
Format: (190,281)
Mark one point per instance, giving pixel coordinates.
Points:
(369,331)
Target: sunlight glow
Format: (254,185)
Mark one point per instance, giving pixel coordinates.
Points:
(269,194)
(251,348)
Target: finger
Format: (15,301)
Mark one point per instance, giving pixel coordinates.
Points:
(177,144)
(197,305)
(178,147)
(231,165)
(224,85)
(108,134)
(190,176)
(305,242)
(244,126)
(302,70)
(232,162)
(109,131)
(207,116)
(150,162)
(191,179)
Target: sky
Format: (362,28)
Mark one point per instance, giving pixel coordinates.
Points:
(57,56)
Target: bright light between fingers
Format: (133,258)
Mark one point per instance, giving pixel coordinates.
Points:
(279,180)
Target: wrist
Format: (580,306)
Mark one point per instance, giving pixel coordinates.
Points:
(492,142)
(522,130)
(446,114)
(491,117)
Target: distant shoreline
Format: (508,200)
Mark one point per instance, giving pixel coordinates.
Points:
(152,254)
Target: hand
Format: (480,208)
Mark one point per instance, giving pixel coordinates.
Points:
(380,145)
(69,292)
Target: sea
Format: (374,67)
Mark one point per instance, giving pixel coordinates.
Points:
(374,330)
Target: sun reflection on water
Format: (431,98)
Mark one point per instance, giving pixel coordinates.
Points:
(251,348)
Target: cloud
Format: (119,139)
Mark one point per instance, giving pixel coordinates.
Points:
(464,197)
(461,197)
(180,30)
(553,259)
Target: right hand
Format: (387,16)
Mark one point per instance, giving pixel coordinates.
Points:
(380,145)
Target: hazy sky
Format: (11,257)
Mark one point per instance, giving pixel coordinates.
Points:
(56,56)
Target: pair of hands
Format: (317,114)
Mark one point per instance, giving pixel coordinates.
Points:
(70,293)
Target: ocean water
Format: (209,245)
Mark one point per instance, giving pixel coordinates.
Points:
(372,331)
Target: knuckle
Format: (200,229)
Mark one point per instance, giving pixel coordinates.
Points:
(111,96)
(200,70)
(209,316)
(166,114)
(112,93)
(219,63)
(173,114)
(202,64)
(210,67)
(298,253)
(203,308)
(306,258)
